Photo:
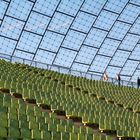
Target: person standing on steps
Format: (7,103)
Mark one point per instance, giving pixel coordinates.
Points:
(105,77)
(138,82)
(118,78)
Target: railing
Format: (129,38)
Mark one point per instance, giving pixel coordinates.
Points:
(65,70)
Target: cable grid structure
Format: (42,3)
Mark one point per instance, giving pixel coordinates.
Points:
(92,36)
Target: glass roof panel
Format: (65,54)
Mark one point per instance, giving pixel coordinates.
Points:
(73,40)
(115,5)
(85,35)
(60,23)
(85,54)
(33,41)
(109,47)
(70,7)
(3,7)
(93,6)
(65,57)
(95,37)
(135,55)
(119,58)
(125,78)
(51,41)
(130,13)
(105,20)
(37,23)
(137,2)
(99,64)
(135,76)
(129,42)
(47,58)
(22,54)
(83,22)
(129,67)
(19,9)
(119,30)
(46,7)
(11,28)
(136,27)
(112,71)
(7,45)
(81,67)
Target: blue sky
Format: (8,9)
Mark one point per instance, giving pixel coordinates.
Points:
(92,36)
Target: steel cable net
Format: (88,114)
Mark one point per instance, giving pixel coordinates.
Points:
(92,36)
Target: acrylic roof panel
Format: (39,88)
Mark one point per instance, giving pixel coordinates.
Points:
(91,36)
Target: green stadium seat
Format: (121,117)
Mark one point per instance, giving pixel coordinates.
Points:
(81,136)
(15,103)
(43,126)
(13,123)
(108,138)
(89,137)
(25,133)
(46,135)
(7,100)
(3,132)
(52,127)
(36,134)
(69,128)
(60,128)
(33,125)
(65,136)
(73,136)
(96,137)
(55,135)
(13,132)
(23,124)
(3,119)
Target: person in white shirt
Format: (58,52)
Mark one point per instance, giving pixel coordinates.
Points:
(118,78)
(105,77)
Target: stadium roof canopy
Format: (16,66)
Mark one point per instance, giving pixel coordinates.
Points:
(91,36)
